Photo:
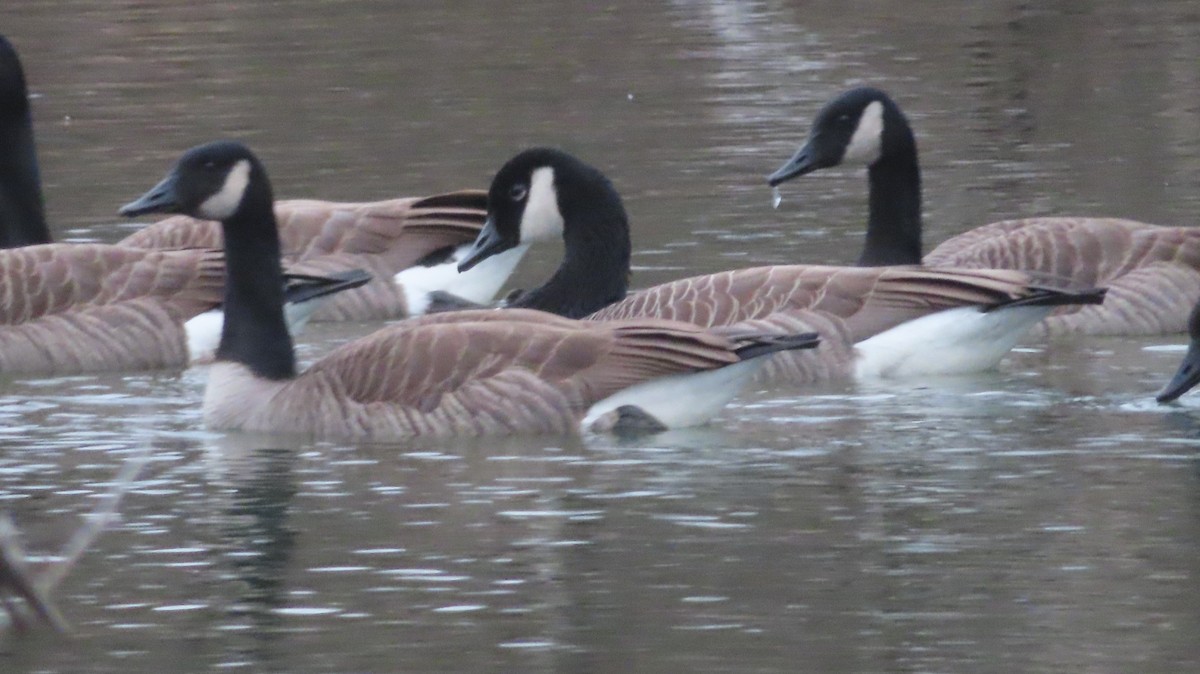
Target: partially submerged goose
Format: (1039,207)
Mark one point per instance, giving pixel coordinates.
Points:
(882,321)
(466,373)
(84,307)
(1152,272)
(415,241)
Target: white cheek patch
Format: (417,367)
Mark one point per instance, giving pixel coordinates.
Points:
(868,137)
(226,201)
(541,219)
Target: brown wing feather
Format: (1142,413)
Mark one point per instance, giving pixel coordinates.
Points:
(48,279)
(865,300)
(1152,272)
(844,305)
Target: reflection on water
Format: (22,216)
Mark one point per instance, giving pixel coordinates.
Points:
(1042,518)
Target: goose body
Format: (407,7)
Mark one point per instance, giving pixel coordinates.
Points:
(467,373)
(1152,272)
(873,321)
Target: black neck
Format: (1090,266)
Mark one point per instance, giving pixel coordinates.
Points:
(894,224)
(255,333)
(22,218)
(595,268)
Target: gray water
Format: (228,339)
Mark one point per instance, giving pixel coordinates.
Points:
(1045,517)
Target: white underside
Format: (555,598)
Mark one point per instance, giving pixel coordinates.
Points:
(478,284)
(204,330)
(681,400)
(955,341)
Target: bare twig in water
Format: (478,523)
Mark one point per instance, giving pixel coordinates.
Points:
(16,579)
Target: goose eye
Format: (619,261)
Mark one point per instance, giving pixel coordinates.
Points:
(518,192)
(210,164)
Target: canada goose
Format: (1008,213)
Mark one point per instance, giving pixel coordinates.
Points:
(410,246)
(68,308)
(466,373)
(1152,272)
(880,321)
(1188,373)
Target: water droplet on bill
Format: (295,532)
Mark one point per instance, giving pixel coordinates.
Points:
(776,197)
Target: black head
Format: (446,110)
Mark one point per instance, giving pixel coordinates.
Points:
(209,181)
(532,197)
(861,125)
(14,97)
(1188,374)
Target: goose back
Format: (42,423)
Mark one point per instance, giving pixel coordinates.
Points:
(1150,271)
(844,305)
(53,278)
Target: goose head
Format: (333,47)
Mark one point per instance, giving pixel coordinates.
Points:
(1188,374)
(544,194)
(211,182)
(860,126)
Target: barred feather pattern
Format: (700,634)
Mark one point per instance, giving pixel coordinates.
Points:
(69,308)
(1152,272)
(134,334)
(844,305)
(382,237)
(467,373)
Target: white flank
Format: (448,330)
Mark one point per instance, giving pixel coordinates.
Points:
(204,335)
(955,341)
(681,400)
(541,220)
(204,330)
(225,202)
(867,140)
(478,284)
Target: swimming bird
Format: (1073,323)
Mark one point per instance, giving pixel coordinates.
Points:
(1152,272)
(465,373)
(410,246)
(873,321)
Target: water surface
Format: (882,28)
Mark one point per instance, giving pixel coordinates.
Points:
(1045,517)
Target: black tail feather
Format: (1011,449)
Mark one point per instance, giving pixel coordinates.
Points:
(1049,297)
(761,345)
(305,287)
